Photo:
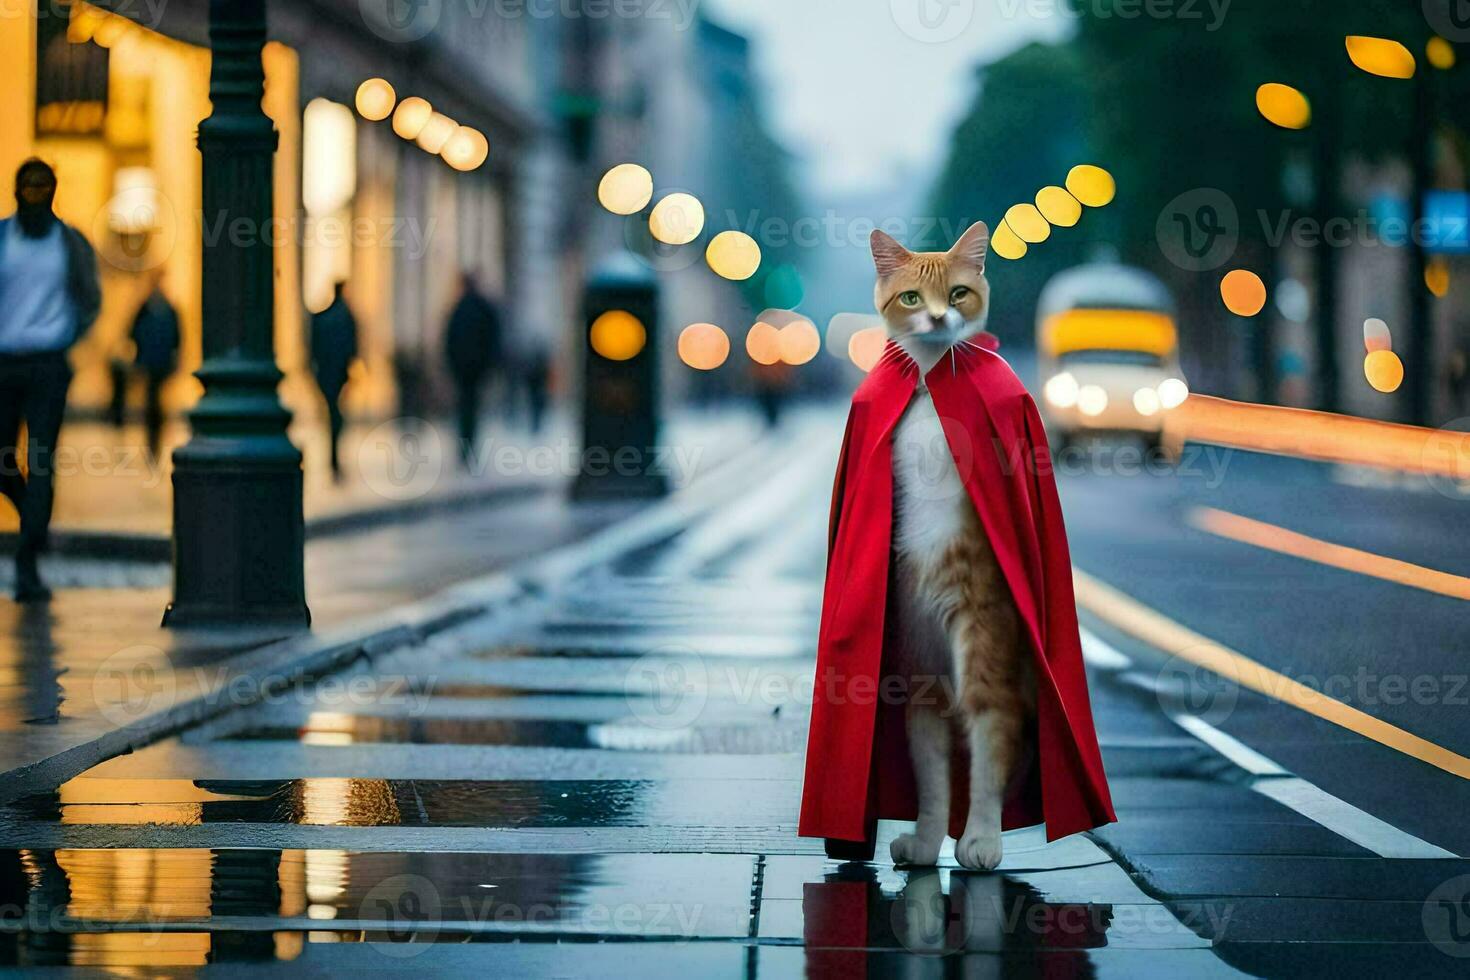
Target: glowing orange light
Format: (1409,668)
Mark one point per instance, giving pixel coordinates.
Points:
(703,346)
(1284,106)
(1384,371)
(375,99)
(411,116)
(866,347)
(618,335)
(466,149)
(800,342)
(763,343)
(1243,292)
(436,132)
(625,189)
(1381,56)
(1437,277)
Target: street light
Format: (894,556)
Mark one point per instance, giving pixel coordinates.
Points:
(238,526)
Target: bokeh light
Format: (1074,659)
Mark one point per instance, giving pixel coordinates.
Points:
(466,150)
(1093,186)
(1384,371)
(799,342)
(865,348)
(763,343)
(1441,53)
(1058,206)
(375,99)
(1028,224)
(1437,277)
(1376,335)
(1173,392)
(1006,243)
(733,255)
(1243,292)
(436,132)
(1146,401)
(677,219)
(1381,56)
(1284,106)
(625,189)
(411,116)
(783,288)
(703,346)
(618,335)
(1092,400)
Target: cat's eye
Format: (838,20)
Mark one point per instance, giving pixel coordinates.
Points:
(911,298)
(958,294)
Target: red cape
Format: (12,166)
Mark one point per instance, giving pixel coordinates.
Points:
(857,761)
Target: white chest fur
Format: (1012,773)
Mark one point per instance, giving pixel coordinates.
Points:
(928,497)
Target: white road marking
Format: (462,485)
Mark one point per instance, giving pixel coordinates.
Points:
(1273,781)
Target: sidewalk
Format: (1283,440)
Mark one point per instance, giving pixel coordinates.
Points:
(112,502)
(93,673)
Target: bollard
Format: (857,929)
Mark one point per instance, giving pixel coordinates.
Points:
(620,384)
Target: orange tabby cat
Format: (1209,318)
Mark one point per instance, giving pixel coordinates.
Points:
(952,614)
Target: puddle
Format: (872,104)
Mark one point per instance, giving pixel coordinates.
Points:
(406,803)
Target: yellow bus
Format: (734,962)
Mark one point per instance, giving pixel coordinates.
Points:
(1108,353)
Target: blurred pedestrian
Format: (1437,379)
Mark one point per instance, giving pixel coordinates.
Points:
(536,376)
(49,296)
(333,349)
(772,385)
(472,351)
(156,356)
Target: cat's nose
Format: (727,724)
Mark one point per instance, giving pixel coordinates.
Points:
(939,319)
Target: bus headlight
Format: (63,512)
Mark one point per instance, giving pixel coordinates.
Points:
(1146,401)
(1172,393)
(1061,391)
(1092,400)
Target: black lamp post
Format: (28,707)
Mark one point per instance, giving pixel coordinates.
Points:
(238,526)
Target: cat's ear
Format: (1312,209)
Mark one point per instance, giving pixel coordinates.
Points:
(888,255)
(974,245)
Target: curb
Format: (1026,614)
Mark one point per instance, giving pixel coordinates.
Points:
(158,548)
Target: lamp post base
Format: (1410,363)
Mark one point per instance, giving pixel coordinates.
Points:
(238,541)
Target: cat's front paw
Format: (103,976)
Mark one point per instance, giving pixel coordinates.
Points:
(912,849)
(979,850)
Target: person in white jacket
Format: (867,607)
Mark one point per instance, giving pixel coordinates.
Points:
(49,296)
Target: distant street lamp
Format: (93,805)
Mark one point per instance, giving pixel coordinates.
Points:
(238,526)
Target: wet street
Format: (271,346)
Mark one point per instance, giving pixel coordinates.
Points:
(602,779)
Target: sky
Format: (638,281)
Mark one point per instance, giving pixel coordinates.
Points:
(866,92)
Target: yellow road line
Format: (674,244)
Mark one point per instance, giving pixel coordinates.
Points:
(1157,630)
(1283,541)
